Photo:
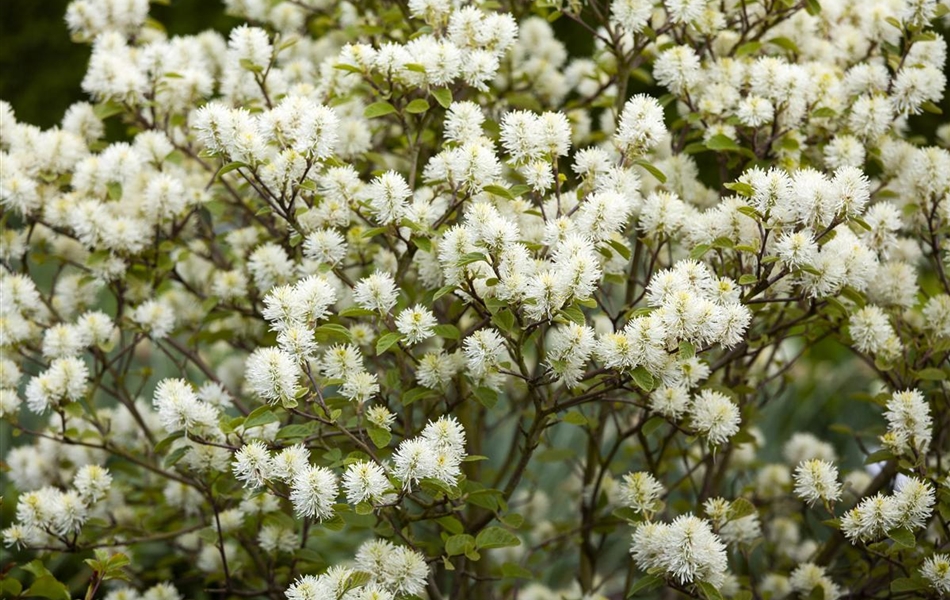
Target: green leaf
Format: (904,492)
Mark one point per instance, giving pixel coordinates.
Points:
(415,394)
(741,507)
(710,591)
(719,142)
(643,379)
(447,331)
(163,445)
(812,7)
(498,190)
(250,65)
(747,279)
(932,374)
(417,106)
(652,425)
(743,189)
(448,289)
(451,524)
(48,586)
(114,188)
(698,252)
(107,109)
(176,456)
(658,174)
(331,331)
(510,569)
(260,416)
(355,312)
(748,48)
(786,44)
(387,341)
(908,584)
(575,418)
(471,257)
(495,537)
(574,314)
(645,584)
(231,166)
(620,248)
(379,436)
(443,96)
(459,544)
(37,568)
(903,536)
(378,109)
(824,112)
(422,243)
(686,350)
(487,397)
(10,587)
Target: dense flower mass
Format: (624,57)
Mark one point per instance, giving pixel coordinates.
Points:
(438,299)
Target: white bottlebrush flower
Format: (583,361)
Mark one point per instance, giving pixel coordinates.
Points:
(871,519)
(313,492)
(755,111)
(405,571)
(359,387)
(806,577)
(817,480)
(677,68)
(691,552)
(180,409)
(632,15)
(365,481)
(92,482)
(66,380)
(915,501)
(253,464)
(641,125)
(272,374)
(377,292)
(380,416)
(483,351)
(414,459)
(156,317)
(277,538)
(290,462)
(871,329)
(416,324)
(62,340)
(936,570)
(909,424)
(715,416)
(640,491)
(387,196)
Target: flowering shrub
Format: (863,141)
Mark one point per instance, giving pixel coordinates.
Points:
(376,300)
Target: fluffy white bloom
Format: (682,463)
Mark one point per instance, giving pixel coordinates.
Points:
(871,330)
(92,482)
(915,500)
(313,492)
(632,15)
(687,549)
(416,324)
(365,481)
(483,351)
(65,380)
(156,317)
(253,464)
(677,68)
(808,576)
(180,409)
(387,195)
(377,292)
(817,480)
(289,462)
(569,350)
(272,374)
(405,571)
(640,491)
(715,416)
(871,519)
(936,570)
(414,459)
(909,424)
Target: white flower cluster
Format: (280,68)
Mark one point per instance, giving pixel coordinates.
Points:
(909,507)
(685,549)
(48,512)
(389,571)
(437,453)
